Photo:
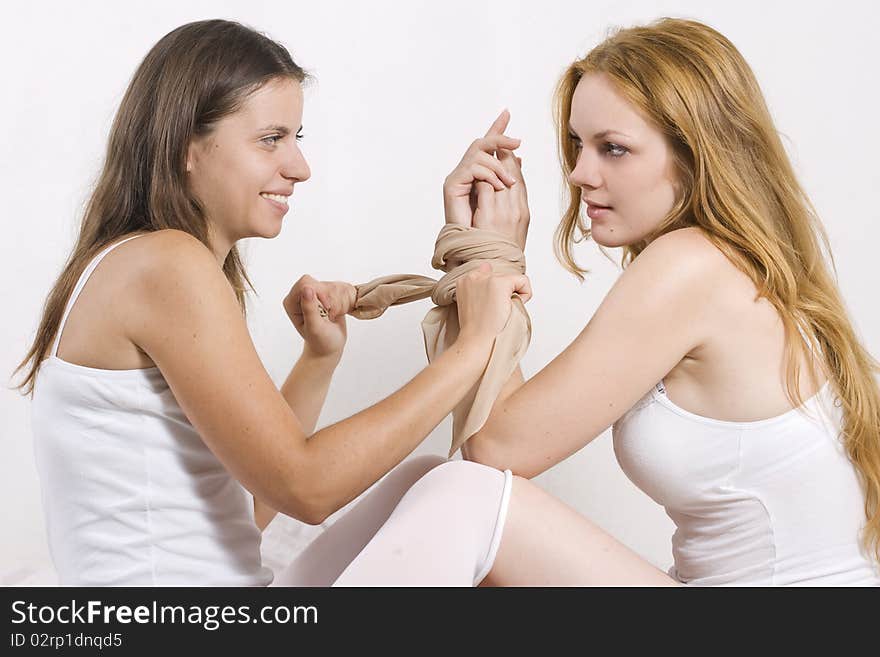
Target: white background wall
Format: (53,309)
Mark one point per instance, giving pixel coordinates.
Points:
(402,88)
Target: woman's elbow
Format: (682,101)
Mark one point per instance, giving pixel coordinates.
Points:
(309,514)
(484,449)
(480,448)
(304,503)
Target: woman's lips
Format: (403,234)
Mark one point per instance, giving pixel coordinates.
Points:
(279,207)
(598,211)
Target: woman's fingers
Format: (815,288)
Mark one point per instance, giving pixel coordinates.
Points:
(486,199)
(337,306)
(522,286)
(324,299)
(511,164)
(514,283)
(344,298)
(518,284)
(483,173)
(293,300)
(499,125)
(311,310)
(504,171)
(317,304)
(491,144)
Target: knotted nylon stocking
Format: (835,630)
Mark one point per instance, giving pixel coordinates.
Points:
(465,247)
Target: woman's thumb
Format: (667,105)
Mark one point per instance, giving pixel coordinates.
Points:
(309,305)
(523,287)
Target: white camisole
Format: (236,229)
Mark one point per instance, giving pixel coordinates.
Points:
(764,503)
(132,496)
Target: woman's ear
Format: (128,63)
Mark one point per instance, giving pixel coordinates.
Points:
(193,151)
(190,156)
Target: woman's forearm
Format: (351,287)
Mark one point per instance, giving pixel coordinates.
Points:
(514,383)
(362,448)
(305,390)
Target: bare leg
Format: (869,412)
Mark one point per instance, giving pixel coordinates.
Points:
(547,543)
(328,555)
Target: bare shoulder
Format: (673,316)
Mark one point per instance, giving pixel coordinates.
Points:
(167,260)
(682,266)
(163,254)
(139,283)
(171,272)
(686,253)
(171,239)
(670,288)
(701,263)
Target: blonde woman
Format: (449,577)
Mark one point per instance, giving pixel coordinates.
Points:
(723,358)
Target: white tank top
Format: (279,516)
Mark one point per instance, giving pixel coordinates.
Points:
(131,494)
(764,503)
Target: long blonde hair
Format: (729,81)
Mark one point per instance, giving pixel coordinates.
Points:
(738,186)
(193,77)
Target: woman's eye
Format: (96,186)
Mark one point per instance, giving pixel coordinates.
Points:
(299,136)
(576,141)
(615,150)
(271,140)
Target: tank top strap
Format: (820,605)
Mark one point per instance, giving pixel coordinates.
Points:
(80,284)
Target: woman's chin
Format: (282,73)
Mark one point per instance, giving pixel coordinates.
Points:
(608,237)
(267,230)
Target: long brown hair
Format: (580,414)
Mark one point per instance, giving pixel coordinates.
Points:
(193,77)
(738,186)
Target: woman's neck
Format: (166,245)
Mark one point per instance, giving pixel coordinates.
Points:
(220,244)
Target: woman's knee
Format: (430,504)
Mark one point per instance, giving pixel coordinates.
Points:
(414,468)
(458,471)
(460,482)
(425,462)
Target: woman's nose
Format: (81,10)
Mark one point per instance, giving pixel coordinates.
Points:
(586,171)
(295,166)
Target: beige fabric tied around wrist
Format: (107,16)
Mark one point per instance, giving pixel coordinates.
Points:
(469,247)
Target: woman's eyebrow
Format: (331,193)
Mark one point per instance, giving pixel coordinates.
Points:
(605,133)
(284,130)
(600,135)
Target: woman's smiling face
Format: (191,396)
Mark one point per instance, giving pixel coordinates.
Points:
(244,170)
(625,167)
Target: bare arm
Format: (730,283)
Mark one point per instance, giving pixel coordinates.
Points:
(656,313)
(206,355)
(513,384)
(305,391)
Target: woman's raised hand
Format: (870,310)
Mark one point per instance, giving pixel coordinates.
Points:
(478,164)
(504,211)
(317,310)
(483,301)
